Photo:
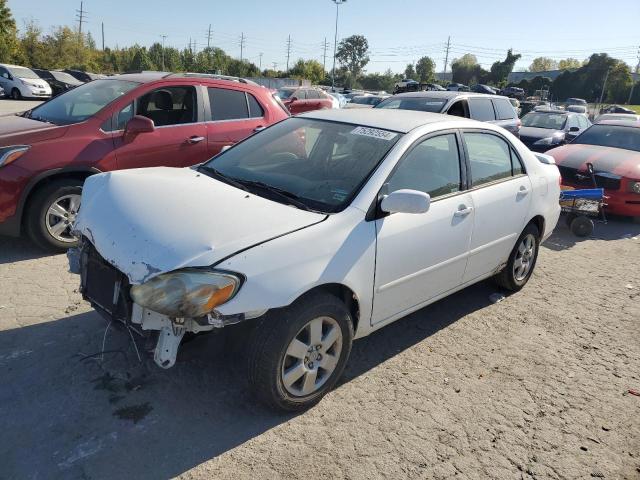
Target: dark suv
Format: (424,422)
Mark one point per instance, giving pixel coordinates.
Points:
(485,108)
(125,121)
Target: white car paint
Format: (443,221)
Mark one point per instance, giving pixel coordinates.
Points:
(152,221)
(28,87)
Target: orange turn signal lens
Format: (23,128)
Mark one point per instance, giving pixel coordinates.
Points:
(11,154)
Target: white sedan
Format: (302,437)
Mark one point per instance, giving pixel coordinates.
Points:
(314,232)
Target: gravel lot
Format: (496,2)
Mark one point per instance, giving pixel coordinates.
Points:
(534,386)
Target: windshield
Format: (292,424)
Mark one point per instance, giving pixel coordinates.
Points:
(285,92)
(82,102)
(65,77)
(21,72)
(421,104)
(615,136)
(551,121)
(318,164)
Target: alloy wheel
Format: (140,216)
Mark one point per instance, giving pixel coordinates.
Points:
(61,216)
(524,258)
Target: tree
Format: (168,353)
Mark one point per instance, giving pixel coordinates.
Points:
(467,60)
(353,54)
(619,83)
(569,64)
(543,64)
(141,61)
(409,72)
(467,70)
(8,34)
(501,70)
(308,69)
(426,69)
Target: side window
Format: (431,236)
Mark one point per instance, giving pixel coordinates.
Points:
(516,164)
(504,109)
(3,72)
(432,166)
(227,104)
(489,157)
(300,94)
(481,109)
(124,116)
(169,106)
(255,109)
(459,109)
(312,94)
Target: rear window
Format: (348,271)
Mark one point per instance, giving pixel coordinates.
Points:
(481,109)
(255,109)
(227,104)
(421,104)
(504,109)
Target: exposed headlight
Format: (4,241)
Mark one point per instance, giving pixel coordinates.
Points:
(634,187)
(12,153)
(190,292)
(553,140)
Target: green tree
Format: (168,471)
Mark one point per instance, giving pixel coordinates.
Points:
(426,69)
(543,64)
(33,50)
(9,45)
(501,70)
(308,69)
(141,61)
(569,64)
(467,70)
(409,72)
(619,83)
(353,54)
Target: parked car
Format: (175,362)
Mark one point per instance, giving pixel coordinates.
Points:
(400,227)
(2,93)
(434,87)
(577,109)
(125,121)
(342,101)
(617,109)
(350,95)
(457,87)
(545,129)
(21,82)
(515,103)
(480,88)
(405,84)
(613,148)
(365,101)
(577,101)
(628,117)
(84,76)
(59,81)
(515,92)
(304,99)
(485,108)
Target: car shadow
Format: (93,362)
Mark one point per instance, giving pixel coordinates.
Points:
(615,228)
(19,249)
(67,413)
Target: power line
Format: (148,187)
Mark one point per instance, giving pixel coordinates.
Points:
(163,38)
(81,16)
(261,61)
(324,54)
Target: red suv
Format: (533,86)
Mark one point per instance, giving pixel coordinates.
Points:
(304,99)
(125,121)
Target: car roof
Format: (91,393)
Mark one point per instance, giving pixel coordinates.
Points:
(554,110)
(447,94)
(620,123)
(402,121)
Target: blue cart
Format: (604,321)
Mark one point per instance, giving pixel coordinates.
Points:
(580,206)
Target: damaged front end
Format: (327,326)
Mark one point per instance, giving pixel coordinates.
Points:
(171,303)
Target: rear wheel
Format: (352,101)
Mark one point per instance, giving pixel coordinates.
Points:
(581,226)
(522,260)
(298,353)
(52,212)
(15,94)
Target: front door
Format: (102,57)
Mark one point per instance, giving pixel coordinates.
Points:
(179,138)
(501,193)
(420,256)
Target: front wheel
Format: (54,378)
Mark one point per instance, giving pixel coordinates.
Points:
(15,94)
(522,260)
(298,353)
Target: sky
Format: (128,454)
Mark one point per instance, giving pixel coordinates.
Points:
(398,31)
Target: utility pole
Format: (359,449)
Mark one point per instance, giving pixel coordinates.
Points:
(446,59)
(163,37)
(209,37)
(335,45)
(102,23)
(260,67)
(288,52)
(81,16)
(604,86)
(633,82)
(242,40)
(324,55)
(274,65)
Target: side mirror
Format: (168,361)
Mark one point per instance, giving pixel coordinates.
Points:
(406,201)
(138,124)
(293,99)
(574,129)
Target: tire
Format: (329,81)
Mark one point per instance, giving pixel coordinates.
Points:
(38,221)
(15,94)
(569,218)
(508,278)
(272,340)
(582,226)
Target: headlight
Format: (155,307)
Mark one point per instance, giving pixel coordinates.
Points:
(634,187)
(554,140)
(12,153)
(190,292)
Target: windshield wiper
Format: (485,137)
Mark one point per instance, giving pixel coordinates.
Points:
(37,118)
(220,176)
(291,198)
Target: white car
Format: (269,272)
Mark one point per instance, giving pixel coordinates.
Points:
(314,232)
(19,82)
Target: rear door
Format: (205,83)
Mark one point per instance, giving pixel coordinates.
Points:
(501,193)
(232,115)
(301,104)
(506,115)
(179,136)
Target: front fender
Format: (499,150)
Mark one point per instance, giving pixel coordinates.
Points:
(339,250)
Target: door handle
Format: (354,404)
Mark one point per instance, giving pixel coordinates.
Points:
(195,139)
(463,211)
(259,128)
(523,190)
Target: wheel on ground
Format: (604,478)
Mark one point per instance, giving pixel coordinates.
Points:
(569,218)
(297,354)
(522,260)
(15,94)
(51,213)
(582,226)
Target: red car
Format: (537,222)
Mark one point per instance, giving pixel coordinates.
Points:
(125,121)
(304,99)
(613,147)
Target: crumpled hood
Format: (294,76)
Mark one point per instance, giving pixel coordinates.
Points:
(154,220)
(16,130)
(617,161)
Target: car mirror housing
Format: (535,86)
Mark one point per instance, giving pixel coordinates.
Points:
(138,124)
(406,201)
(574,129)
